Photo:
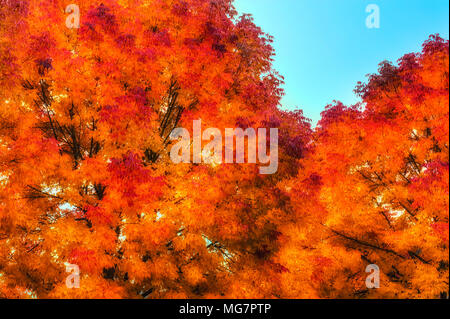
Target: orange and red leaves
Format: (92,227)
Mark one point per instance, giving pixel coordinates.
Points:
(85,258)
(442,231)
(101,17)
(157,37)
(133,180)
(98,215)
(320,267)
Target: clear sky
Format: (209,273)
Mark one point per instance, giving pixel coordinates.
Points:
(323,47)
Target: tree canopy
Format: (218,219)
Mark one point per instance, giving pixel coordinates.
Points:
(86,177)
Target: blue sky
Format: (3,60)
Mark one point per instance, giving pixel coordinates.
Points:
(323,47)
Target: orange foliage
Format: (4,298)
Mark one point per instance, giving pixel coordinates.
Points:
(86,178)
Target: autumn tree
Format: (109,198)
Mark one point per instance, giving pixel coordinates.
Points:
(86,178)
(85,118)
(375,188)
